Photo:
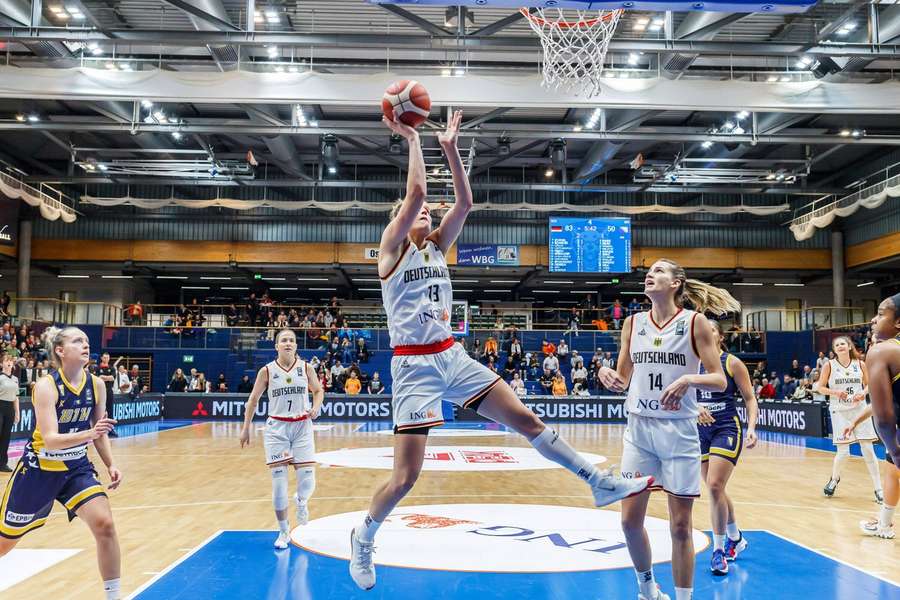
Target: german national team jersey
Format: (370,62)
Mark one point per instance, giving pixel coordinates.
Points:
(418,296)
(721,404)
(662,353)
(74,409)
(845,379)
(288,389)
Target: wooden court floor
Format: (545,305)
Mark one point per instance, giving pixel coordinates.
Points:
(182,485)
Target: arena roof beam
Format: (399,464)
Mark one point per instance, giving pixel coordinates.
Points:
(600,155)
(210,13)
(420,22)
(888,31)
(501,24)
(186,38)
(696,26)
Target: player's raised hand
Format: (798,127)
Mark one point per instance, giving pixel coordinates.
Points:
(400,128)
(449,136)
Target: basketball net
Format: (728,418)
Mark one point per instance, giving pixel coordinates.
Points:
(573,49)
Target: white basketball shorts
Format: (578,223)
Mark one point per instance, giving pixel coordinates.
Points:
(842,419)
(420,382)
(667,449)
(289,442)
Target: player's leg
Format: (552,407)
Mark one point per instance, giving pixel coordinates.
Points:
(409,454)
(871,460)
(279,475)
(882,526)
(718,471)
(681,529)
(97,515)
(476,387)
(303,449)
(837,467)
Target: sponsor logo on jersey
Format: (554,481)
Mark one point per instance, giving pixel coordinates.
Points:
(276,376)
(422,415)
(404,364)
(642,332)
(496,538)
(679,327)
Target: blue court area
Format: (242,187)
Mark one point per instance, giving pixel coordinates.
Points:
(243,564)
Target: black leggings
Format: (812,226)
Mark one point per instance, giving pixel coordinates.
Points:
(7,414)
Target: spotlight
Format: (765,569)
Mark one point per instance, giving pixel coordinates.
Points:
(21,118)
(706,145)
(845,133)
(33,118)
(396,145)
(738,130)
(558,154)
(742,115)
(503,144)
(548,173)
(272,51)
(177,135)
(146,104)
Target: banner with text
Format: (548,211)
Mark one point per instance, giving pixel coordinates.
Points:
(125,410)
(487,255)
(338,407)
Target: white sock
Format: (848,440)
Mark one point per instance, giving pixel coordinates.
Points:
(684,593)
(284,526)
(733,532)
(886,516)
(718,542)
(868,453)
(552,447)
(843,453)
(111,588)
(647,584)
(366,532)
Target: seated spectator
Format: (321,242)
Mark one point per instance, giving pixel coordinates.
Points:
(515,349)
(178,383)
(232,315)
(609,361)
(767,390)
(551,363)
(518,386)
(362,350)
(532,367)
(137,382)
(807,373)
(547,382)
(820,362)
(337,374)
(221,384)
(375,384)
(634,306)
(795,371)
(491,349)
(579,376)
(558,386)
(352,385)
(562,349)
(804,390)
(789,387)
(617,311)
(548,348)
(509,369)
(776,383)
(475,350)
(5,301)
(491,365)
(245,386)
(601,323)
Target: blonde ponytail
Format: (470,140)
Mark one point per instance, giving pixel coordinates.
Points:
(707,298)
(53,338)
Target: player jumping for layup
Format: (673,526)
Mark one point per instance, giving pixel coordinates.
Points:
(288,437)
(659,359)
(428,366)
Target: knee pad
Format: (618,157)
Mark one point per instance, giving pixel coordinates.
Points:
(306,483)
(280,488)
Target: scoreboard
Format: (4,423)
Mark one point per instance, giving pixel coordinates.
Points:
(590,245)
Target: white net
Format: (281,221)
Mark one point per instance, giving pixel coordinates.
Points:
(574,48)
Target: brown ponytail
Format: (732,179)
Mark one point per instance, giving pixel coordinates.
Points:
(702,296)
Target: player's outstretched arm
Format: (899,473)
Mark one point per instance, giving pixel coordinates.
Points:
(877,360)
(318,394)
(742,379)
(416,189)
(259,386)
(453,221)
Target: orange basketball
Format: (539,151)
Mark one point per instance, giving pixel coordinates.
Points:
(409,100)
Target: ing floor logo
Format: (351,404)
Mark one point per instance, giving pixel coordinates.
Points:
(497,538)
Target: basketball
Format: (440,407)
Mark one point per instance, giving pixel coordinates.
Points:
(409,101)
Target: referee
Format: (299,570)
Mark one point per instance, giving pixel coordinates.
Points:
(9,408)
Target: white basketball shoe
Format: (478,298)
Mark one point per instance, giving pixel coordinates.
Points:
(874,529)
(362,570)
(612,488)
(283,540)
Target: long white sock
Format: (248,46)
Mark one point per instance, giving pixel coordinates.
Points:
(718,542)
(731,529)
(886,515)
(111,588)
(284,526)
(684,593)
(552,447)
(868,453)
(843,453)
(306,484)
(366,532)
(647,584)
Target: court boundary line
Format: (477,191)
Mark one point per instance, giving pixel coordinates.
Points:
(172,566)
(157,432)
(829,557)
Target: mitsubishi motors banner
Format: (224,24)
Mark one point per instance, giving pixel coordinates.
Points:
(125,410)
(202,407)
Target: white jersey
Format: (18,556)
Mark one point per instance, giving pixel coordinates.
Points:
(845,379)
(288,389)
(661,354)
(417,296)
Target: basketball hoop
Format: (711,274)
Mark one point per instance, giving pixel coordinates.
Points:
(573,49)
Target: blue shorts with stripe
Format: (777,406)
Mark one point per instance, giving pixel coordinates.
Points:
(30,493)
(723,438)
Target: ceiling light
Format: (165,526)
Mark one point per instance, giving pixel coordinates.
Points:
(454,281)
(146,104)
(56,9)
(326,279)
(857,133)
(171,277)
(846,28)
(78,16)
(272,51)
(33,118)
(195,287)
(845,133)
(548,173)
(548,282)
(582,291)
(63,16)
(498,291)
(728,126)
(656,27)
(74,276)
(742,115)
(632,293)
(215,278)
(272,278)
(323,289)
(633,58)
(789,285)
(545,292)
(378,290)
(706,145)
(577,127)
(864,284)
(785,79)
(117,276)
(504,281)
(332,170)
(748,284)
(772,78)
(103,167)
(97,51)
(235,288)
(598,282)
(21,119)
(176,135)
(770,176)
(284,289)
(738,130)
(446,72)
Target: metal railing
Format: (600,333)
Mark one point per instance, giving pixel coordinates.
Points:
(804,319)
(51,310)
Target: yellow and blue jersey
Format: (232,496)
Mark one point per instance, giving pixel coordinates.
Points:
(44,475)
(721,404)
